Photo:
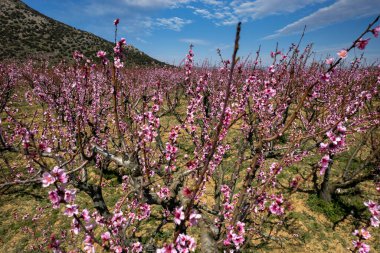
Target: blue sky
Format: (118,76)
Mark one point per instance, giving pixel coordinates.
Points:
(164,29)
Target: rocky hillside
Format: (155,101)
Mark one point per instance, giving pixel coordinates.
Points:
(26,33)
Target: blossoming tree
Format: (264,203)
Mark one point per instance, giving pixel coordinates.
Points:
(196,152)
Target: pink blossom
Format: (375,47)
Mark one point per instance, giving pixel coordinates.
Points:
(226,242)
(187,192)
(365,248)
(171,150)
(240,228)
(362,43)
(238,240)
(47,179)
(323,146)
(155,108)
(185,243)
(276,209)
(324,163)
(376,31)
(163,193)
(137,247)
(329,61)
(101,54)
(194,217)
(370,204)
(341,129)
(55,198)
(179,215)
(75,226)
(69,195)
(118,219)
(326,77)
(361,247)
(375,221)
(44,147)
(116,21)
(144,211)
(60,175)
(86,215)
(106,236)
(342,53)
(365,234)
(118,63)
(117,249)
(169,248)
(71,210)
(123,41)
(77,55)
(273,54)
(270,92)
(225,189)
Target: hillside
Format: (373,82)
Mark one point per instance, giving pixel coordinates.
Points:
(25,33)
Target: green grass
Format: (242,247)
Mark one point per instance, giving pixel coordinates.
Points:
(332,210)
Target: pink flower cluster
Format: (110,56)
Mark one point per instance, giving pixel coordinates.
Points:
(117,221)
(56,174)
(273,54)
(164,193)
(189,63)
(102,55)
(362,43)
(194,217)
(336,144)
(185,244)
(342,53)
(374,209)
(325,161)
(329,61)
(359,246)
(171,151)
(227,206)
(376,31)
(143,212)
(235,235)
(179,215)
(61,195)
(276,207)
(118,53)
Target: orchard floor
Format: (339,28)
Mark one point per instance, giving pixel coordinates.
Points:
(26,221)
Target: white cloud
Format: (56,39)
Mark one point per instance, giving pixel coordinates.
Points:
(221,15)
(204,13)
(174,23)
(195,42)
(339,11)
(155,3)
(213,2)
(141,40)
(262,8)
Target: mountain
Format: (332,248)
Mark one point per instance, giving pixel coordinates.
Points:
(26,33)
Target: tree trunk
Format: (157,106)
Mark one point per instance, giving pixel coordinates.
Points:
(326,189)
